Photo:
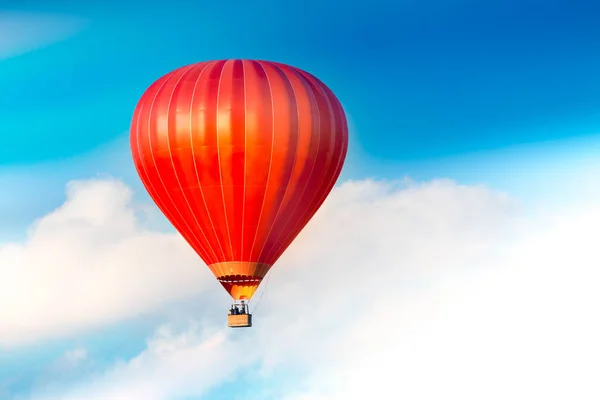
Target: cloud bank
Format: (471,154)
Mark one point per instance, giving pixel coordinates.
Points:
(89,263)
(409,290)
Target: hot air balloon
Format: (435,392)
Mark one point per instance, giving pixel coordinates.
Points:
(239,155)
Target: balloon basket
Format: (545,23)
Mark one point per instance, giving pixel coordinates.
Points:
(239,321)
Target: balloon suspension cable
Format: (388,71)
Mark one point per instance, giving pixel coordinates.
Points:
(263,292)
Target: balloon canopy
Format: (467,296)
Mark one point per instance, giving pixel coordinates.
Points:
(239,155)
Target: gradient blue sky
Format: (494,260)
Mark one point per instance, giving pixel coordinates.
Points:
(493,92)
(419,79)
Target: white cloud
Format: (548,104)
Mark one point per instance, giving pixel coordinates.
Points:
(90,263)
(523,325)
(20,205)
(419,291)
(183,364)
(24,32)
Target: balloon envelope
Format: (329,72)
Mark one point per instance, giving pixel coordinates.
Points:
(239,155)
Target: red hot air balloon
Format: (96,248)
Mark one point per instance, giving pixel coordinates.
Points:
(239,155)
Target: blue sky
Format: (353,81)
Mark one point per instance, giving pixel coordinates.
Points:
(491,108)
(430,78)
